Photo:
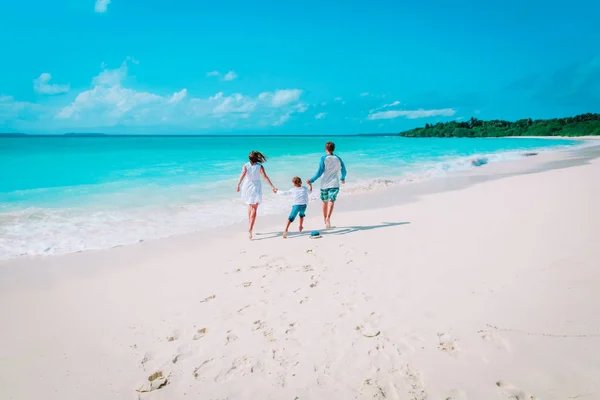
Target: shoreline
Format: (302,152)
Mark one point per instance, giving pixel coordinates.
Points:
(475,288)
(373,195)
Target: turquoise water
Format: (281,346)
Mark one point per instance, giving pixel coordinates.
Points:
(65,194)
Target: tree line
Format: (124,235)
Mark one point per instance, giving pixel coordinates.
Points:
(580,125)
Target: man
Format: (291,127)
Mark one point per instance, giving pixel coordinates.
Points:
(329,167)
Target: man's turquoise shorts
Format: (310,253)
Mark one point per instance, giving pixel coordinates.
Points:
(329,194)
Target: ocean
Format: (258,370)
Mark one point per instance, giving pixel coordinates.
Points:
(66,194)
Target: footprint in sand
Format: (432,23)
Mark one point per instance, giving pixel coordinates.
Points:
(200,334)
(448,344)
(314,281)
(241,366)
(372,389)
(515,393)
(174,336)
(231,337)
(205,369)
(495,339)
(370,326)
(209,298)
(414,382)
(156,381)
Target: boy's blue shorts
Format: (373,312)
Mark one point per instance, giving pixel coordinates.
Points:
(298,209)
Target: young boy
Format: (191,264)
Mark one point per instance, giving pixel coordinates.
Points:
(300,194)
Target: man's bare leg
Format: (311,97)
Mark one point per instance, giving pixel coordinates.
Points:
(330,205)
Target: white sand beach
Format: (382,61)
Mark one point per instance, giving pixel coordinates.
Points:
(489,291)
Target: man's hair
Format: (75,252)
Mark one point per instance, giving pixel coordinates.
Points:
(330,146)
(296,180)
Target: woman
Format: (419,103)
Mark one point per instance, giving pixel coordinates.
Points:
(252,187)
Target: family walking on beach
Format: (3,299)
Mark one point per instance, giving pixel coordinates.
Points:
(330,168)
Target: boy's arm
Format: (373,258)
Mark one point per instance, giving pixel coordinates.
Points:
(343,170)
(309,187)
(320,171)
(284,192)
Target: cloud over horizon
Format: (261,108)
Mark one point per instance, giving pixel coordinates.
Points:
(41,85)
(411,114)
(110,102)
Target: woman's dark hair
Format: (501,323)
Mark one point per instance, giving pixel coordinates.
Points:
(256,157)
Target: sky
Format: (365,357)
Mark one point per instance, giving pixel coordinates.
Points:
(273,67)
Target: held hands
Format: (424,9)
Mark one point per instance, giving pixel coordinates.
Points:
(343,182)
(237,189)
(275,190)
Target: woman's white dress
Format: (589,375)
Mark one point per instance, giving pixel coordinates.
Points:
(252,187)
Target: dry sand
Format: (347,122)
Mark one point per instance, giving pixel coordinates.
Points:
(486,292)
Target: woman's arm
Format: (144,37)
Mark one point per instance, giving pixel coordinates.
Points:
(241,178)
(264,174)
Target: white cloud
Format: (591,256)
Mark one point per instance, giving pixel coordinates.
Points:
(230,76)
(320,115)
(393,104)
(323,104)
(301,108)
(338,99)
(41,85)
(109,102)
(213,73)
(101,5)
(281,97)
(178,96)
(282,119)
(236,103)
(364,94)
(11,109)
(411,114)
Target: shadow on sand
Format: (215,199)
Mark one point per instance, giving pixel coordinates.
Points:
(335,230)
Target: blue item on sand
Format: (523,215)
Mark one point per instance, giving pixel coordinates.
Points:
(315,235)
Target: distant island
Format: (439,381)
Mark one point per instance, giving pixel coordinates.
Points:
(12,134)
(580,125)
(73,134)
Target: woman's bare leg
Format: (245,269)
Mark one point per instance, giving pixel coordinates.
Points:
(252,218)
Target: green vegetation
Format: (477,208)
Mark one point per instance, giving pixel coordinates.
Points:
(581,125)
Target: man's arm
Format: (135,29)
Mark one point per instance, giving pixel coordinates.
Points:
(320,171)
(343,179)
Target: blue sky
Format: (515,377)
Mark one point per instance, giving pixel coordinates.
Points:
(129,66)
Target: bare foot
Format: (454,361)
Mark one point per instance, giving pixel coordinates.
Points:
(300,228)
(285,235)
(327,223)
(250,235)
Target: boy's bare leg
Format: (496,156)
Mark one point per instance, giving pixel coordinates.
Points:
(325,212)
(301,227)
(287,226)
